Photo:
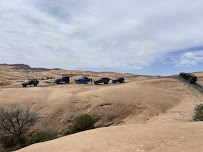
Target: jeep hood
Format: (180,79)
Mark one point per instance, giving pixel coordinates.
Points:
(25,82)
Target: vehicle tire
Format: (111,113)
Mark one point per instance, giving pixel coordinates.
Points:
(190,80)
(106,82)
(24,85)
(35,84)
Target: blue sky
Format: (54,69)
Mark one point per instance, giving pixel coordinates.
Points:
(141,37)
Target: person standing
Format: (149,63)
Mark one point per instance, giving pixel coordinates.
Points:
(91,80)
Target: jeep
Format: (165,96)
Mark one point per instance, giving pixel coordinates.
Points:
(188,76)
(119,79)
(84,80)
(102,80)
(30,82)
(65,79)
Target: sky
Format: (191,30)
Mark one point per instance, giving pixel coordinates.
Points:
(129,36)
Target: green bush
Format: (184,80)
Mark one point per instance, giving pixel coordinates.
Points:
(42,78)
(84,122)
(10,143)
(198,113)
(40,137)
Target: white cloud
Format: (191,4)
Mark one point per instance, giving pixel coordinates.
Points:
(189,59)
(74,34)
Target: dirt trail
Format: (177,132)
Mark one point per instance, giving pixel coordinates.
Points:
(195,85)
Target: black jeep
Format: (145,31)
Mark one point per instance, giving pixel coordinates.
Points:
(30,82)
(65,79)
(119,79)
(188,76)
(102,80)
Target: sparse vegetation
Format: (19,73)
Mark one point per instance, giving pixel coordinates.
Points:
(27,72)
(8,141)
(49,78)
(40,137)
(84,122)
(15,124)
(198,113)
(42,78)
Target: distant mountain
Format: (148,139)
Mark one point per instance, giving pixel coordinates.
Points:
(27,67)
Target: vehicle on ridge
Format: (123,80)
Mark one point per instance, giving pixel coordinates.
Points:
(84,80)
(30,82)
(102,80)
(189,77)
(119,79)
(65,79)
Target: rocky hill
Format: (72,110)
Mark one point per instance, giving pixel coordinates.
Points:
(27,67)
(146,114)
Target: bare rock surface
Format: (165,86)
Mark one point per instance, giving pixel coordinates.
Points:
(144,114)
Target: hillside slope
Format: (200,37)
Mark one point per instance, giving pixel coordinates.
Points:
(143,114)
(181,137)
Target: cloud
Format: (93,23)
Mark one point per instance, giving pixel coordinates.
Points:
(80,34)
(189,59)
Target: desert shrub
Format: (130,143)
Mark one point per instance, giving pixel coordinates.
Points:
(16,122)
(27,71)
(40,137)
(49,78)
(8,141)
(42,78)
(84,122)
(198,113)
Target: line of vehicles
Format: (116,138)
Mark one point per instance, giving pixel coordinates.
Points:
(82,80)
(85,80)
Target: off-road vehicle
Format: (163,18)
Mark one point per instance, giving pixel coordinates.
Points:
(119,79)
(84,80)
(188,76)
(102,80)
(65,79)
(30,82)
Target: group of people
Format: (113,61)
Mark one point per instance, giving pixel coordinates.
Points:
(88,78)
